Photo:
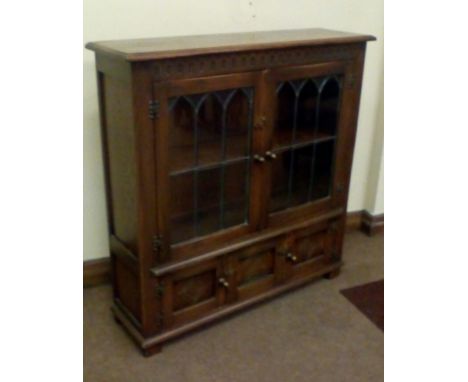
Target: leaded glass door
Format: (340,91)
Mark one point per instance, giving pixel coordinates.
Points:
(304,138)
(207,127)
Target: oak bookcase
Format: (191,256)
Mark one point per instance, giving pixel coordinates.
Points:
(228,162)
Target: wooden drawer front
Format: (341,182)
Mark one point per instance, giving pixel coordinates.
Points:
(192,293)
(256,270)
(311,249)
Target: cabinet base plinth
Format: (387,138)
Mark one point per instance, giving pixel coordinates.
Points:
(152,350)
(332,274)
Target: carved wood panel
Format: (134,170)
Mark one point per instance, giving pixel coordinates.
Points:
(198,66)
(312,249)
(192,293)
(195,289)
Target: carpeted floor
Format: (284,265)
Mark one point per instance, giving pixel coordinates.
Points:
(311,334)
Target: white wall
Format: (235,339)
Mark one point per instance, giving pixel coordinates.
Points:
(122,19)
(374,201)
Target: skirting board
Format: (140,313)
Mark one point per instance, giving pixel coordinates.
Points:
(372,224)
(97,272)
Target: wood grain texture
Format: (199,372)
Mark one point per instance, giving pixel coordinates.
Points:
(258,60)
(182,46)
(120,160)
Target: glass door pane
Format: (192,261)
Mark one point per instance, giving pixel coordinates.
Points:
(304,140)
(209,162)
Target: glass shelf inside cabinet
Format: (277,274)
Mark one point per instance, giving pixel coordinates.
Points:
(304,140)
(210,139)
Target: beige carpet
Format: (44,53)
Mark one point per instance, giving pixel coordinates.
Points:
(310,334)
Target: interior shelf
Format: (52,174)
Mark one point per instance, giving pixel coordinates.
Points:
(210,154)
(303,138)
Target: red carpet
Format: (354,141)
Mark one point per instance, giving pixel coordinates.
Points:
(369,299)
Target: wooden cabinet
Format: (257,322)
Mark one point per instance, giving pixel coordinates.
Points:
(228,161)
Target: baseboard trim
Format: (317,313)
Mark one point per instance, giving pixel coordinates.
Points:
(372,224)
(97,272)
(354,220)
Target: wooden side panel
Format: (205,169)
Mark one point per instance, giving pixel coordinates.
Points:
(141,95)
(351,99)
(120,140)
(127,289)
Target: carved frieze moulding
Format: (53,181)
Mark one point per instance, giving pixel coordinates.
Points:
(221,63)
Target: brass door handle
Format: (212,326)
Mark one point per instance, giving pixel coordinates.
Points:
(270,155)
(259,158)
(223,282)
(291,257)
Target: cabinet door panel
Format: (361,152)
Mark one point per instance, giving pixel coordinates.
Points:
(206,167)
(215,121)
(304,137)
(309,250)
(257,269)
(192,293)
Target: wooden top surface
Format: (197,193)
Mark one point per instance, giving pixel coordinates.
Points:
(180,46)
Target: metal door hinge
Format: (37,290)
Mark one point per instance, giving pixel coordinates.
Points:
(153,109)
(157,243)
